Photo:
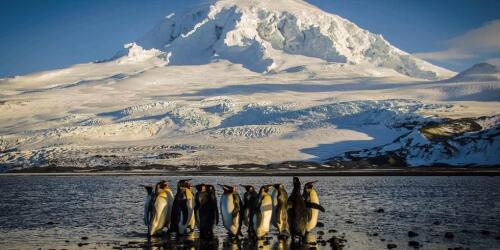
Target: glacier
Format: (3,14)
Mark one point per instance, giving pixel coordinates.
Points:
(251,82)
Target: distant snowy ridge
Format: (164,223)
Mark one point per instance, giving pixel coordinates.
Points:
(481,72)
(264,36)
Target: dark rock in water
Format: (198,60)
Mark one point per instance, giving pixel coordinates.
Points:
(168,155)
(449,235)
(391,246)
(320,224)
(85,238)
(412,234)
(67,241)
(382,239)
(374,234)
(336,243)
(50,223)
(485,232)
(380,210)
(81,244)
(413,243)
(349,221)
(437,223)
(321,233)
(332,231)
(497,238)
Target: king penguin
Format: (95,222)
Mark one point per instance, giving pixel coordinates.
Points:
(230,208)
(280,216)
(206,212)
(250,199)
(161,208)
(263,213)
(313,206)
(148,201)
(183,219)
(297,212)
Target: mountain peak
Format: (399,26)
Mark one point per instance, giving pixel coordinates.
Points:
(267,36)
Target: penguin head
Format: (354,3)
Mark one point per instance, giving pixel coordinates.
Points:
(309,185)
(249,188)
(296,182)
(183,184)
(264,189)
(278,186)
(228,189)
(210,188)
(201,187)
(161,186)
(148,188)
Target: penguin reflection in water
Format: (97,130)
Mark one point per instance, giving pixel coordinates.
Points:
(298,216)
(206,212)
(230,208)
(183,219)
(158,207)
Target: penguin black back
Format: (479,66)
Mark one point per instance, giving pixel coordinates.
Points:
(178,206)
(250,200)
(206,212)
(297,211)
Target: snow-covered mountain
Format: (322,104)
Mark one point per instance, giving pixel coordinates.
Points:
(481,72)
(264,35)
(250,81)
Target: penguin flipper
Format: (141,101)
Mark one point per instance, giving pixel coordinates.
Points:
(315,206)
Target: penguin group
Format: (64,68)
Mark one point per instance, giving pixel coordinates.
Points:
(293,215)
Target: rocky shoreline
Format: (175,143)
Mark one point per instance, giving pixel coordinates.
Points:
(360,168)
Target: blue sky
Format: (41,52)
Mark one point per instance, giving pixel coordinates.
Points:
(45,34)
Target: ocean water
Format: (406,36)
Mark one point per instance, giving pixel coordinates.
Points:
(105,212)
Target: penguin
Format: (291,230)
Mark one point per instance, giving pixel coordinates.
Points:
(230,207)
(147,204)
(206,211)
(280,213)
(183,219)
(297,212)
(313,206)
(263,213)
(250,199)
(161,208)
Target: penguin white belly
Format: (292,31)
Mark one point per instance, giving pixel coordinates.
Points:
(227,208)
(262,219)
(159,215)
(170,203)
(313,220)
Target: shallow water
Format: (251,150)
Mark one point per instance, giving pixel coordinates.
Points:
(57,211)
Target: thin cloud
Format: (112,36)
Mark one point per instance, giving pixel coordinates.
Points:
(483,40)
